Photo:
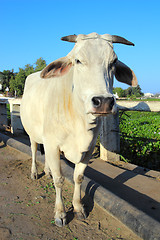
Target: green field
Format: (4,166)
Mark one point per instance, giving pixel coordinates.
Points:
(141,99)
(140,138)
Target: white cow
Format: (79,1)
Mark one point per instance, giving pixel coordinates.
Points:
(62,105)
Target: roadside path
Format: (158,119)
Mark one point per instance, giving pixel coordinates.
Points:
(27,207)
(128,192)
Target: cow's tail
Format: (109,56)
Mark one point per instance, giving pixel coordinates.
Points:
(42,149)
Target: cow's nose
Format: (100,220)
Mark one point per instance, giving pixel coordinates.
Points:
(97,102)
(102,104)
(111,102)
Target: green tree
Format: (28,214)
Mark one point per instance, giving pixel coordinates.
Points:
(17,83)
(119,91)
(40,64)
(5,77)
(28,69)
(1,79)
(139,92)
(18,80)
(12,85)
(129,92)
(134,91)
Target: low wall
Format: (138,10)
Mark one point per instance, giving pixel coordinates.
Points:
(16,125)
(109,134)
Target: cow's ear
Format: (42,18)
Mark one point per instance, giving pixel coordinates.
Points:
(57,68)
(124,74)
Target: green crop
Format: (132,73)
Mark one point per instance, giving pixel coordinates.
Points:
(140,138)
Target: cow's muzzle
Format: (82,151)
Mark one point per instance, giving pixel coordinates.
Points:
(102,105)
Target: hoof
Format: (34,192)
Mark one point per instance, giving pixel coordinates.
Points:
(34,176)
(60,222)
(48,175)
(81,215)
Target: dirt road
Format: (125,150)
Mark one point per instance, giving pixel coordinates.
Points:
(27,207)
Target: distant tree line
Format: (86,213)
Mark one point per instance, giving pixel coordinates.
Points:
(15,81)
(131,92)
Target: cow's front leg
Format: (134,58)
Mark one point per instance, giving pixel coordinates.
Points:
(53,161)
(60,214)
(47,170)
(78,179)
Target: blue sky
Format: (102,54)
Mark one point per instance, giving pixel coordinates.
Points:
(33,28)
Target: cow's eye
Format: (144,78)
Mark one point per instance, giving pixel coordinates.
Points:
(115,60)
(112,64)
(77,61)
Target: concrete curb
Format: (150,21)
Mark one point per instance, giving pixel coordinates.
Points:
(139,222)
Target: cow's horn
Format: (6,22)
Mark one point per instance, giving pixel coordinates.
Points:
(70,38)
(118,39)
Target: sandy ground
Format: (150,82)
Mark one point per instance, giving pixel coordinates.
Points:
(27,207)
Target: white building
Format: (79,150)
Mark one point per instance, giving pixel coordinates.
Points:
(148,95)
(116,95)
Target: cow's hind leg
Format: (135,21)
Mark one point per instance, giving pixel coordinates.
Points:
(34,172)
(78,179)
(53,161)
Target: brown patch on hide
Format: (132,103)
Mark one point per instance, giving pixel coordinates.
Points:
(70,107)
(57,68)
